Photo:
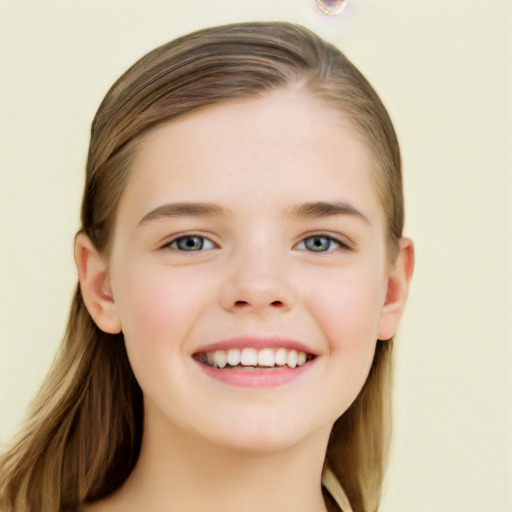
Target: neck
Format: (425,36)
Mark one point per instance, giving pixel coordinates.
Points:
(175,468)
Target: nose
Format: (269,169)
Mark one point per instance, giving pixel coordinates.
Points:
(257,284)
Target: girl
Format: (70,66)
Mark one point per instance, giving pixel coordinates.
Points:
(242,272)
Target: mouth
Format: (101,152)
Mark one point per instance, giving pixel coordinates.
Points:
(249,358)
(255,362)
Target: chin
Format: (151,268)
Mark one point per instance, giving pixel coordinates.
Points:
(264,435)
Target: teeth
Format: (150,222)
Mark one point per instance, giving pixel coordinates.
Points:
(291,359)
(280,356)
(266,357)
(234,356)
(219,358)
(250,357)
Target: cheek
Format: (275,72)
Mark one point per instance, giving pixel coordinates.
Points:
(349,310)
(157,308)
(348,313)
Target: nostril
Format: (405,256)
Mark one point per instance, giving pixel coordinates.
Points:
(244,303)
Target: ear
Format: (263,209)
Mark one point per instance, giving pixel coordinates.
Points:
(95,285)
(399,281)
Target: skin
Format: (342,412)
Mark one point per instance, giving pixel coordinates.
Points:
(245,448)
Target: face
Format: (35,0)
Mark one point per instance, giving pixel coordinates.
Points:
(248,270)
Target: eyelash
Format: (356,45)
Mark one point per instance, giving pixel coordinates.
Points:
(339,244)
(174,244)
(302,245)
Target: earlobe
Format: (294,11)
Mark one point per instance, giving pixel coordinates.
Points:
(95,285)
(398,285)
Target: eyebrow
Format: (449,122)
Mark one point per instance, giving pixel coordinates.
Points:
(321,209)
(173,210)
(317,209)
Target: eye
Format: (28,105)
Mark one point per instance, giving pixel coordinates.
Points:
(320,243)
(190,243)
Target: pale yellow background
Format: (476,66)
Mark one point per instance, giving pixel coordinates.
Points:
(444,70)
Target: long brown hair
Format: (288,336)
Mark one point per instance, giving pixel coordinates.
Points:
(83,435)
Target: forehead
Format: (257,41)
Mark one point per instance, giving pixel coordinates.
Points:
(286,143)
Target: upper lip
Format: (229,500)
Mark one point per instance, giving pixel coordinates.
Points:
(257,342)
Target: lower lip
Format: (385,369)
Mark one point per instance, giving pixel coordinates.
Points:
(256,378)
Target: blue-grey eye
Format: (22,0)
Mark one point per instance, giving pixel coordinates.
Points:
(318,244)
(191,243)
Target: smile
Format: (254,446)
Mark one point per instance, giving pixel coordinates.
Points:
(252,358)
(255,361)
